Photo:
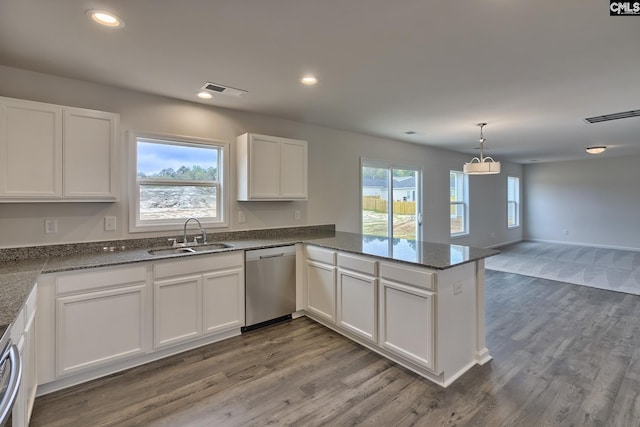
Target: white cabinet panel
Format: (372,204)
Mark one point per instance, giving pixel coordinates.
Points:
(222,301)
(177,310)
(89,154)
(271,168)
(264,167)
(357,304)
(23,335)
(407,322)
(97,328)
(321,290)
(294,169)
(31,145)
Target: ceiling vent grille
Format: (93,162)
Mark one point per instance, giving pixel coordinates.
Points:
(225,90)
(616,116)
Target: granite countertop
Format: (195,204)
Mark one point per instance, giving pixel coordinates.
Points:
(439,256)
(18,273)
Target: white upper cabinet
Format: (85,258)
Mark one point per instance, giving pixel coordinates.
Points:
(56,153)
(31,144)
(271,168)
(89,154)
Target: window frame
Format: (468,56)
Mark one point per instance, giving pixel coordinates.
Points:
(136,225)
(515,202)
(464,203)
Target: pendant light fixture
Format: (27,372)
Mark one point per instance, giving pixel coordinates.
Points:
(481,165)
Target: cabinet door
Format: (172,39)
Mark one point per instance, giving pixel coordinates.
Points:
(357,304)
(31,150)
(222,300)
(321,290)
(177,310)
(97,328)
(294,169)
(89,154)
(264,167)
(407,322)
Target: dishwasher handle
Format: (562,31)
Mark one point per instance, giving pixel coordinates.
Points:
(11,393)
(271,256)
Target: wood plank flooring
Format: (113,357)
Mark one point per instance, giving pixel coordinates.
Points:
(564,355)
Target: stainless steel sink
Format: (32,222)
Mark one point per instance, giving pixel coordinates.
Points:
(208,247)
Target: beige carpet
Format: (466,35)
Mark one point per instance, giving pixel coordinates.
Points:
(611,269)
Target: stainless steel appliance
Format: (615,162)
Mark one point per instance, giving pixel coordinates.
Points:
(270,286)
(10,376)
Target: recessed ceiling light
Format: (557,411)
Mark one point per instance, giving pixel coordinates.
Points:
(105,18)
(309,80)
(596,149)
(204,95)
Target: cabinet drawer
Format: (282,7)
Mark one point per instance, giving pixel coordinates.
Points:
(357,263)
(197,264)
(402,273)
(80,282)
(325,256)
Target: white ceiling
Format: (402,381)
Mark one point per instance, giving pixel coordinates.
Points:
(533,70)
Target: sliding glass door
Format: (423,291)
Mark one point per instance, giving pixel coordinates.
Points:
(390,200)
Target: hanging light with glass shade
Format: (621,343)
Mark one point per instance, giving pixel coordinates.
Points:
(481,165)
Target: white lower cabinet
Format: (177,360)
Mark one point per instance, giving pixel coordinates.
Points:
(23,334)
(407,322)
(426,320)
(98,321)
(197,296)
(223,300)
(357,297)
(101,317)
(321,291)
(177,311)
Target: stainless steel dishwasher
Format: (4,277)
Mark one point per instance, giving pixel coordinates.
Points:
(270,286)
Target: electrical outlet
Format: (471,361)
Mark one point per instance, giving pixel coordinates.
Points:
(565,232)
(457,288)
(109,223)
(50,226)
(296,215)
(241,217)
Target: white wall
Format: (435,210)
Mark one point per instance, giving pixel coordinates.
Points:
(596,200)
(334,162)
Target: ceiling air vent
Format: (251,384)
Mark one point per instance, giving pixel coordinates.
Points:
(225,90)
(616,116)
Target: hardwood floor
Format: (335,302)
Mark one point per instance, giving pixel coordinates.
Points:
(564,355)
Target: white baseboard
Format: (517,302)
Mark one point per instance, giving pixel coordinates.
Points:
(588,245)
(498,245)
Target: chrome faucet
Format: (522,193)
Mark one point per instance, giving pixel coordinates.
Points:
(202,232)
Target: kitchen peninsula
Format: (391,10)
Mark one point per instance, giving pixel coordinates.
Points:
(420,304)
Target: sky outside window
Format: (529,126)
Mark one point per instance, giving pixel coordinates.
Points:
(154,157)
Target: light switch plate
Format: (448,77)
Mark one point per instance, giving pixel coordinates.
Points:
(241,217)
(457,288)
